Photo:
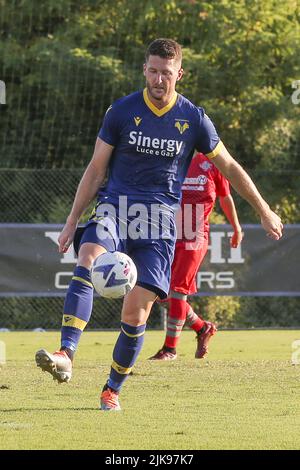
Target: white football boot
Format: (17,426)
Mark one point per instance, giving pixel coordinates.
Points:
(58,364)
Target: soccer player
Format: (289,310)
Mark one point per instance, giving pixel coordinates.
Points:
(203,184)
(146,141)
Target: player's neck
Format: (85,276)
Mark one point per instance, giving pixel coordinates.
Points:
(159,104)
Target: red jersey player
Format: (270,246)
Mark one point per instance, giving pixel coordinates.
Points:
(203,184)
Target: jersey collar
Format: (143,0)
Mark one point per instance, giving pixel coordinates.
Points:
(154,109)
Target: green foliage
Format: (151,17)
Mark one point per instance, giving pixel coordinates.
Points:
(40,196)
(249,312)
(64,63)
(220,310)
(25,313)
(271,312)
(288,207)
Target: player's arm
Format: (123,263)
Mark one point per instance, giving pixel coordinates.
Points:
(228,207)
(88,187)
(243,184)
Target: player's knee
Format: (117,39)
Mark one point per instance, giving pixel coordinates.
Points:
(137,306)
(177,295)
(135,317)
(88,253)
(86,261)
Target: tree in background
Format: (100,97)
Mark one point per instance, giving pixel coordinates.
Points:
(64,62)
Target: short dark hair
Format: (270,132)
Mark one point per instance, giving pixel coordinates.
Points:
(164,48)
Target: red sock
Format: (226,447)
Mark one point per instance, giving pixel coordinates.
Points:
(176,320)
(192,319)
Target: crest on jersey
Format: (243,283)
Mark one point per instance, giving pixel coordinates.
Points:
(202,179)
(137,120)
(182,125)
(205,166)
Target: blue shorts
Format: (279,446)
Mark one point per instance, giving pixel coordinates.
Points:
(153,257)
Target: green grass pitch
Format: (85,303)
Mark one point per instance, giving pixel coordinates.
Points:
(245,395)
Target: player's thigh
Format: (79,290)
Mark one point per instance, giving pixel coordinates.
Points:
(95,241)
(186,262)
(185,267)
(137,306)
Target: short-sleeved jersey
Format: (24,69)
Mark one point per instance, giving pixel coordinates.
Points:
(153,147)
(202,185)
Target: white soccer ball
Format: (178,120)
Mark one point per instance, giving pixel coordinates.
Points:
(113,275)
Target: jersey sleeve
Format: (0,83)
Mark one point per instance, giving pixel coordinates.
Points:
(109,131)
(222,184)
(208,141)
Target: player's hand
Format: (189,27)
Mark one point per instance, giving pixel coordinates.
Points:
(272,224)
(66,237)
(236,238)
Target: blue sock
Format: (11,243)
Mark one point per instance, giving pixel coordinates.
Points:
(77,309)
(126,351)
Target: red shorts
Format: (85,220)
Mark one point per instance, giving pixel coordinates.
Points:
(185,267)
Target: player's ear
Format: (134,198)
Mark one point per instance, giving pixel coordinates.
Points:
(180,74)
(144,69)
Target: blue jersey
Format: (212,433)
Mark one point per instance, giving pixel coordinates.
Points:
(153,147)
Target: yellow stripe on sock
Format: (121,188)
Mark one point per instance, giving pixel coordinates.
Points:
(120,369)
(132,336)
(80,279)
(70,320)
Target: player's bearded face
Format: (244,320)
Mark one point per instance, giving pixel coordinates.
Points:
(161,78)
